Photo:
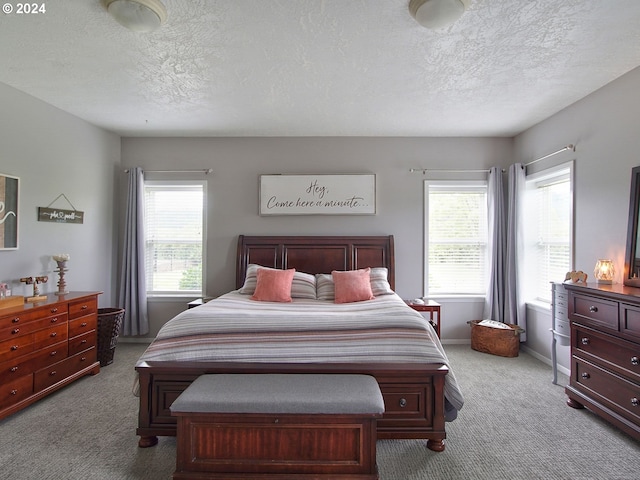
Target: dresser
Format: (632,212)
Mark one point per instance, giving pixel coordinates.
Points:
(45,346)
(605,353)
(560,326)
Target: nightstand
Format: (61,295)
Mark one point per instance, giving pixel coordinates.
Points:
(198,301)
(430,306)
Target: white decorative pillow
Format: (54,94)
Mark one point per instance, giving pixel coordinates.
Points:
(303,285)
(325,288)
(379,283)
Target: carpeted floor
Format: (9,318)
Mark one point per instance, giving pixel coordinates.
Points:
(514,425)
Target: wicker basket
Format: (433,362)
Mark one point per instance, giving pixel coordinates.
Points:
(497,341)
(109,324)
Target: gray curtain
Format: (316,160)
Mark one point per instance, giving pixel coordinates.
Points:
(515,311)
(494,303)
(132,291)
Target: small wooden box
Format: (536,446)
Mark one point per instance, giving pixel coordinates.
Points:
(496,341)
(14,301)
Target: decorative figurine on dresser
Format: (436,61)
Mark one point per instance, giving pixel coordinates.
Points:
(605,338)
(45,345)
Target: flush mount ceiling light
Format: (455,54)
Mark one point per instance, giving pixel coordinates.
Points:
(137,15)
(437,13)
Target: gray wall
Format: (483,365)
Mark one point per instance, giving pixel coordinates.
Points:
(53,152)
(233,193)
(604,128)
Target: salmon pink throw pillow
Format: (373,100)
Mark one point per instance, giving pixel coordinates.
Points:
(353,285)
(273,285)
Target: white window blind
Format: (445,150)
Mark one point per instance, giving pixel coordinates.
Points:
(456,238)
(549,210)
(174,227)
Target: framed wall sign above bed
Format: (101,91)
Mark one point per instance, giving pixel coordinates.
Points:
(349,194)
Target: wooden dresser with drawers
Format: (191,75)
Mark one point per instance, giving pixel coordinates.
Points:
(605,353)
(45,346)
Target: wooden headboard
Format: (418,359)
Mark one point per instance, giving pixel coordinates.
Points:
(315,254)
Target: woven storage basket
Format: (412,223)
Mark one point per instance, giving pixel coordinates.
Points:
(109,324)
(497,341)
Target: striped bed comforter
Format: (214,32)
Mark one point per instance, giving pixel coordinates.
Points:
(235,328)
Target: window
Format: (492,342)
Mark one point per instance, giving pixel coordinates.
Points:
(456,238)
(174,228)
(548,230)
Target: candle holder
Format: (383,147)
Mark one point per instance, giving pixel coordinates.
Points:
(61,259)
(36,292)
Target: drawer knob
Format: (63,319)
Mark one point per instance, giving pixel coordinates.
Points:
(585,375)
(83,324)
(16,320)
(53,373)
(593,309)
(635,361)
(83,342)
(14,348)
(13,369)
(585,341)
(54,353)
(15,330)
(84,307)
(402,402)
(54,319)
(83,359)
(635,401)
(54,334)
(14,392)
(54,310)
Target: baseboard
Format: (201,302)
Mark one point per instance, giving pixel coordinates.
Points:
(456,341)
(544,359)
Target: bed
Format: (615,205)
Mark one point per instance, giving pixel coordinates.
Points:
(382,337)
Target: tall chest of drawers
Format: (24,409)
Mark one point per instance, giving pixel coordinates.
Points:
(605,353)
(45,346)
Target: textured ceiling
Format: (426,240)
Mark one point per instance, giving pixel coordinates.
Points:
(320,67)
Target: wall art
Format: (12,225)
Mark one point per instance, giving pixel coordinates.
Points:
(346,194)
(59,215)
(9,194)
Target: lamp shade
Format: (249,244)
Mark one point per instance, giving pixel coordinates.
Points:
(137,15)
(437,14)
(604,271)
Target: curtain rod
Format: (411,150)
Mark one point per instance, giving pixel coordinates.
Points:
(568,147)
(427,170)
(206,171)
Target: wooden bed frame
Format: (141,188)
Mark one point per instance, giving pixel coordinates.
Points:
(413,393)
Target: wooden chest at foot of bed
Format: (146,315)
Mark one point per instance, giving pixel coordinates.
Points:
(321,427)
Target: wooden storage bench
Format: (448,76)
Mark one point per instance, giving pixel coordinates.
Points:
(261,426)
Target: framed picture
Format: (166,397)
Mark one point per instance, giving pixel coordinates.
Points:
(9,189)
(347,194)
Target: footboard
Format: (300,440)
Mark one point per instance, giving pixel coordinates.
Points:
(413,395)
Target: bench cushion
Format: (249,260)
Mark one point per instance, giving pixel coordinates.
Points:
(282,394)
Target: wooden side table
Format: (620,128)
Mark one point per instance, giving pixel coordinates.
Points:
(430,306)
(198,301)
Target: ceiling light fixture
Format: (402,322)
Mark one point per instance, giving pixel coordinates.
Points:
(137,15)
(437,14)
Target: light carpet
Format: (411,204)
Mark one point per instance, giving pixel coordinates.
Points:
(514,425)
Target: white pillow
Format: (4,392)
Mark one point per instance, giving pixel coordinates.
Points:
(303,285)
(325,288)
(379,283)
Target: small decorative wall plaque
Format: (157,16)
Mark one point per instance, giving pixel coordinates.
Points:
(59,215)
